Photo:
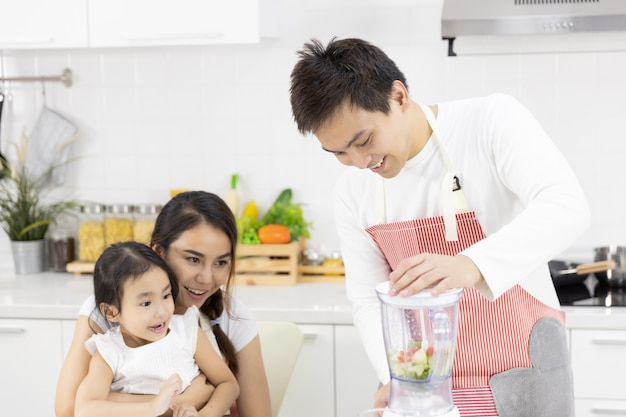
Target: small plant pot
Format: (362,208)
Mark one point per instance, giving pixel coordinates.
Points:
(29,257)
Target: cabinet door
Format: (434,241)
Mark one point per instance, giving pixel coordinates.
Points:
(172,22)
(42,24)
(598,363)
(30,360)
(311,391)
(355,379)
(67,332)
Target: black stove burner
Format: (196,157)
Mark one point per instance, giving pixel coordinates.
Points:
(592,293)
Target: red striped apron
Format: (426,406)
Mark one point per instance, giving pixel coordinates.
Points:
(493,336)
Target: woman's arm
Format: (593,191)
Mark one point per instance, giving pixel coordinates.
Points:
(73,370)
(218,373)
(254,393)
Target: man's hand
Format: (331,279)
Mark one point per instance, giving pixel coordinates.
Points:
(381,397)
(440,273)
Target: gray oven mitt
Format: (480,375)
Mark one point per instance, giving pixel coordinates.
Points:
(546,389)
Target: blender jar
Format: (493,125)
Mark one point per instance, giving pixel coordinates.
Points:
(420,341)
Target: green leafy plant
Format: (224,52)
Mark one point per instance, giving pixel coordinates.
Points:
(23,213)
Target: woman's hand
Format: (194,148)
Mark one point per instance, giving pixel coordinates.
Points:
(381,397)
(440,272)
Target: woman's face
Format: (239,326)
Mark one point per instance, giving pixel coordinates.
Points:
(201,259)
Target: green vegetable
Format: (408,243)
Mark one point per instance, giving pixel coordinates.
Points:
(284,196)
(287,213)
(246,230)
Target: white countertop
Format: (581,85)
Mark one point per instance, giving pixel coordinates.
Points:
(52,295)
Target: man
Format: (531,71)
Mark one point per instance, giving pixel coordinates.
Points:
(469,194)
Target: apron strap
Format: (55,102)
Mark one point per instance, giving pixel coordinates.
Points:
(452,196)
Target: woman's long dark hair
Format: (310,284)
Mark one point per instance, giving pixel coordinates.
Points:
(121,262)
(186,211)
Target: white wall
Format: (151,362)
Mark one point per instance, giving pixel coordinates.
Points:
(161,118)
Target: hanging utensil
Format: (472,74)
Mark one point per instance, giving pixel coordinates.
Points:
(4,164)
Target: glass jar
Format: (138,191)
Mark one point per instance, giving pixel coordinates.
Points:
(145,216)
(60,245)
(91,241)
(118,224)
(333,260)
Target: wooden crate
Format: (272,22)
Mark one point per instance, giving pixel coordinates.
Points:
(321,273)
(267,264)
(80,267)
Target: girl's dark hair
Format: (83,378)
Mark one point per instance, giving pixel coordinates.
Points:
(186,211)
(348,69)
(121,262)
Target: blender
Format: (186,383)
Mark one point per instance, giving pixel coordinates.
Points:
(420,341)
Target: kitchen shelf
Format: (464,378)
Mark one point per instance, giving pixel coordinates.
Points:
(261,265)
(321,273)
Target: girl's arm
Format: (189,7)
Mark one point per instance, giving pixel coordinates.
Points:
(220,376)
(254,397)
(73,370)
(93,393)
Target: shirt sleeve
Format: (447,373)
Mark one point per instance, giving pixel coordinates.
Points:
(89,309)
(366,267)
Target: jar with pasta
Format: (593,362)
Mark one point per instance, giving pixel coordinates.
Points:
(118,224)
(91,241)
(145,216)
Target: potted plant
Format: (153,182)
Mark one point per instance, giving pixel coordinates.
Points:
(25,215)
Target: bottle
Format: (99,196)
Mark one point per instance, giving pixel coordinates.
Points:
(118,224)
(144,218)
(91,242)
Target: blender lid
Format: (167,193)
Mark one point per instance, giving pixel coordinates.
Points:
(421,299)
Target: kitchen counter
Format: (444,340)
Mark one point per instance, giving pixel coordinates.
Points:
(58,296)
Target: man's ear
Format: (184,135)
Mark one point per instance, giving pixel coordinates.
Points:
(400,94)
(110,312)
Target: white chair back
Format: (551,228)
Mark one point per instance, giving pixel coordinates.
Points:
(280,346)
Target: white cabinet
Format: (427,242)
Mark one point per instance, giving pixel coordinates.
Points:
(311,391)
(333,376)
(30,359)
(40,24)
(355,379)
(67,334)
(169,22)
(599,368)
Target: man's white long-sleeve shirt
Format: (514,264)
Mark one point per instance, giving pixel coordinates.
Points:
(524,193)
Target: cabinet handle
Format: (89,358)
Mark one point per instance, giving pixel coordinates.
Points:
(609,342)
(12,330)
(42,39)
(173,37)
(605,411)
(309,335)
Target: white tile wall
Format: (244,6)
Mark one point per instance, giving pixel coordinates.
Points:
(161,118)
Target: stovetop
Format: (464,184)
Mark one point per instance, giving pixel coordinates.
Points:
(591,293)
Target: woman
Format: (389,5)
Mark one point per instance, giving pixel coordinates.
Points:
(196,235)
(467,194)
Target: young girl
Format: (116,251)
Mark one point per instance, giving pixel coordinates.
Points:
(147,349)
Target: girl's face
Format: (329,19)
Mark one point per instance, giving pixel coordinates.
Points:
(147,308)
(201,259)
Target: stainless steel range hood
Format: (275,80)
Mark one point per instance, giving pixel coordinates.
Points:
(529,17)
